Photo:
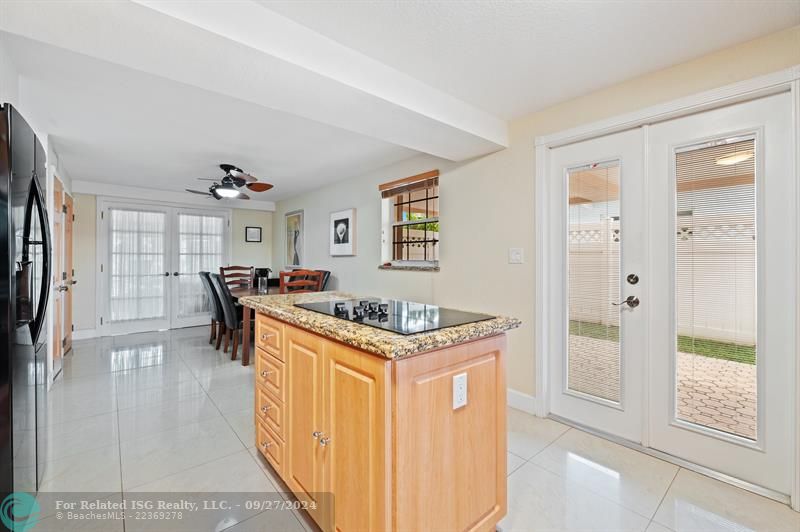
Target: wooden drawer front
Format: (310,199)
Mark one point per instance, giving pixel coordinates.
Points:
(271,373)
(270,446)
(269,335)
(270,411)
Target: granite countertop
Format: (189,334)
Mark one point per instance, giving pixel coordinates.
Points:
(365,337)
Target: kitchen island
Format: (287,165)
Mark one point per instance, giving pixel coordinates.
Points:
(365,425)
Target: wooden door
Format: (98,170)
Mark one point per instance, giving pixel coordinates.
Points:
(357,454)
(69,218)
(58,268)
(305,352)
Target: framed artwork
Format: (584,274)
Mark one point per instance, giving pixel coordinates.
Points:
(342,232)
(252,234)
(294,238)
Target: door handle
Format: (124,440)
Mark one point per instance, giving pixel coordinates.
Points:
(631,301)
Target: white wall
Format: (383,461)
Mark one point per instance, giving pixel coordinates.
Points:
(258,254)
(487,203)
(360,273)
(9,78)
(84,260)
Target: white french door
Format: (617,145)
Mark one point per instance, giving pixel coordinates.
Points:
(150,256)
(722,302)
(691,224)
(597,194)
(200,241)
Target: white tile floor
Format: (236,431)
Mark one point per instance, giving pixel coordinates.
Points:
(166,412)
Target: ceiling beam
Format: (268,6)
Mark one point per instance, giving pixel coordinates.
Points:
(244,50)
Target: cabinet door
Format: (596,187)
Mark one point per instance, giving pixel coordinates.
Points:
(357,426)
(304,352)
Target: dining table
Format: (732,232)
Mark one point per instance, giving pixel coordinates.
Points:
(247,315)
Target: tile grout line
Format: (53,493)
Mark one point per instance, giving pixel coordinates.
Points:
(660,502)
(119,450)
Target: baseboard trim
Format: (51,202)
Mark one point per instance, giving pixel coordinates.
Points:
(84,334)
(521,401)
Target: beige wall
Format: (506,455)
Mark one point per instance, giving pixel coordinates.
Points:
(487,203)
(251,253)
(84,254)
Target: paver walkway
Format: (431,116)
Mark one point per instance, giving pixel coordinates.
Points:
(716,393)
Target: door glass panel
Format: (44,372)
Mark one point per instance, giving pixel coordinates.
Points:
(715,286)
(137,281)
(593,358)
(200,248)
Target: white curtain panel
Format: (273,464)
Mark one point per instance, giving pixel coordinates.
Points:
(137,266)
(200,248)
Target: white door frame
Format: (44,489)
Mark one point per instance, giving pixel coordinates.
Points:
(782,81)
(101,241)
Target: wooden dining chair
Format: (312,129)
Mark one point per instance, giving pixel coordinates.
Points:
(300,281)
(238,276)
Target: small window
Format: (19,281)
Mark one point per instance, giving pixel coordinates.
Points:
(411,221)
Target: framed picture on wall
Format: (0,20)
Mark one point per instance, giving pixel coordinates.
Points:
(343,233)
(294,238)
(252,234)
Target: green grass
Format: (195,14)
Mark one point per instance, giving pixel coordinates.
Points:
(686,344)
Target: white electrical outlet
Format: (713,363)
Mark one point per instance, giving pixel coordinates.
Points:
(516,256)
(459,390)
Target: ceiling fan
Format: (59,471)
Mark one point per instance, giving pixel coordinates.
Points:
(228,185)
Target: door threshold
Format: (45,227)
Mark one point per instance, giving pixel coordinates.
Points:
(697,468)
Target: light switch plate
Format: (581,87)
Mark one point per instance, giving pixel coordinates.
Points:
(516,256)
(459,390)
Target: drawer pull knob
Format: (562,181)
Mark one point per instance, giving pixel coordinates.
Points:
(266,444)
(324,441)
(316,434)
(265,373)
(265,336)
(265,408)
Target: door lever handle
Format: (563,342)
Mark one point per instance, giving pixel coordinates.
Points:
(631,301)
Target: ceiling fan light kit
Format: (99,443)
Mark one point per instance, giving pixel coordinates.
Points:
(229,185)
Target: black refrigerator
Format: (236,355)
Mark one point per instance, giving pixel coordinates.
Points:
(25,274)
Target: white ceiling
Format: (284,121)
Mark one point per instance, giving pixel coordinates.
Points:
(111,124)
(513,57)
(156,93)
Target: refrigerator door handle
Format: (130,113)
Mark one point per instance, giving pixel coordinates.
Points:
(36,207)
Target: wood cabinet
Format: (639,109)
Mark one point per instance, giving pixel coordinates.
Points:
(374,444)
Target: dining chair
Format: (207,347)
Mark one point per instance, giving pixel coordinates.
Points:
(238,276)
(300,281)
(232,314)
(217,317)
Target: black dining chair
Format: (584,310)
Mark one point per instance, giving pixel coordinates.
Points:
(232,314)
(217,317)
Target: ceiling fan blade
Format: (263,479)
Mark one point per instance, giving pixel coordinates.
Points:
(242,196)
(243,175)
(197,192)
(259,187)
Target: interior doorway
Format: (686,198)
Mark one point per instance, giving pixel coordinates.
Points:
(62,274)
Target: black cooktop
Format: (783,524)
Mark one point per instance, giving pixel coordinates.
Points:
(402,317)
